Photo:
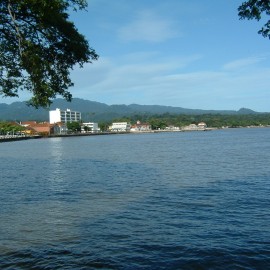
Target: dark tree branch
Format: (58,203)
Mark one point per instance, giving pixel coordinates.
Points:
(39,47)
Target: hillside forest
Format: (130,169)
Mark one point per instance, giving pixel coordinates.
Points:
(160,121)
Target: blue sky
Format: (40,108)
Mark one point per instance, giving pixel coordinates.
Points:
(185,53)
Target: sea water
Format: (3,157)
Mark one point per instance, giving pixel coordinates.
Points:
(180,200)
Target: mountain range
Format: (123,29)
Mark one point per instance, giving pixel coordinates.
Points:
(96,111)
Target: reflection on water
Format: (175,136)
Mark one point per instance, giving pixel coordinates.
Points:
(55,173)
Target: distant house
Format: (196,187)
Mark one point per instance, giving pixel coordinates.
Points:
(28,129)
(60,128)
(191,127)
(202,125)
(120,127)
(32,127)
(172,128)
(139,127)
(28,123)
(45,128)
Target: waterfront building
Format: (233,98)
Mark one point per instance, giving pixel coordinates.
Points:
(43,128)
(90,127)
(202,125)
(120,127)
(28,123)
(172,128)
(140,127)
(191,127)
(60,128)
(32,127)
(57,116)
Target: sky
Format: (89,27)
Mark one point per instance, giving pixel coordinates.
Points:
(183,53)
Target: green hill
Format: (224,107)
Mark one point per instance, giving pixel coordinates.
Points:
(96,111)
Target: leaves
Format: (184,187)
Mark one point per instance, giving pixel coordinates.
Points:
(39,46)
(74,126)
(6,127)
(253,9)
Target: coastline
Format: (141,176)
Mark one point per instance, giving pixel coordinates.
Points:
(22,138)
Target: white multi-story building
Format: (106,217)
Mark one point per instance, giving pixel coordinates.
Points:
(58,116)
(92,127)
(120,127)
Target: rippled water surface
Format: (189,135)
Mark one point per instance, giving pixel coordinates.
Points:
(193,200)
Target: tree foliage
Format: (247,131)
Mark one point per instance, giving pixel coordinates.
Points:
(103,126)
(74,126)
(6,127)
(38,48)
(160,121)
(254,9)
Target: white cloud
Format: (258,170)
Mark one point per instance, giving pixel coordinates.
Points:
(243,63)
(154,80)
(128,72)
(148,27)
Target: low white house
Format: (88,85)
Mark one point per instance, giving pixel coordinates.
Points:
(60,128)
(202,125)
(91,126)
(172,128)
(120,127)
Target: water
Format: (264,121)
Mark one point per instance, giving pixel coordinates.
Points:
(194,200)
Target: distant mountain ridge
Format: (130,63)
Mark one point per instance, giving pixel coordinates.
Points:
(96,111)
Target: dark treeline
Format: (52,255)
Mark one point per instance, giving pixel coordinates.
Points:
(212,120)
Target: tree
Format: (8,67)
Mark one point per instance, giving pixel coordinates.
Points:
(157,123)
(6,127)
(74,126)
(103,126)
(86,128)
(253,9)
(38,48)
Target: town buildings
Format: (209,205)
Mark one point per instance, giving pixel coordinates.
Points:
(60,118)
(63,122)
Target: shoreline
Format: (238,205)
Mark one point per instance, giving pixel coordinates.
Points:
(23,138)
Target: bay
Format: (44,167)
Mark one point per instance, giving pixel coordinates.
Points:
(180,200)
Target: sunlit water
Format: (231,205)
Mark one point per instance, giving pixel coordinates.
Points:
(193,200)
